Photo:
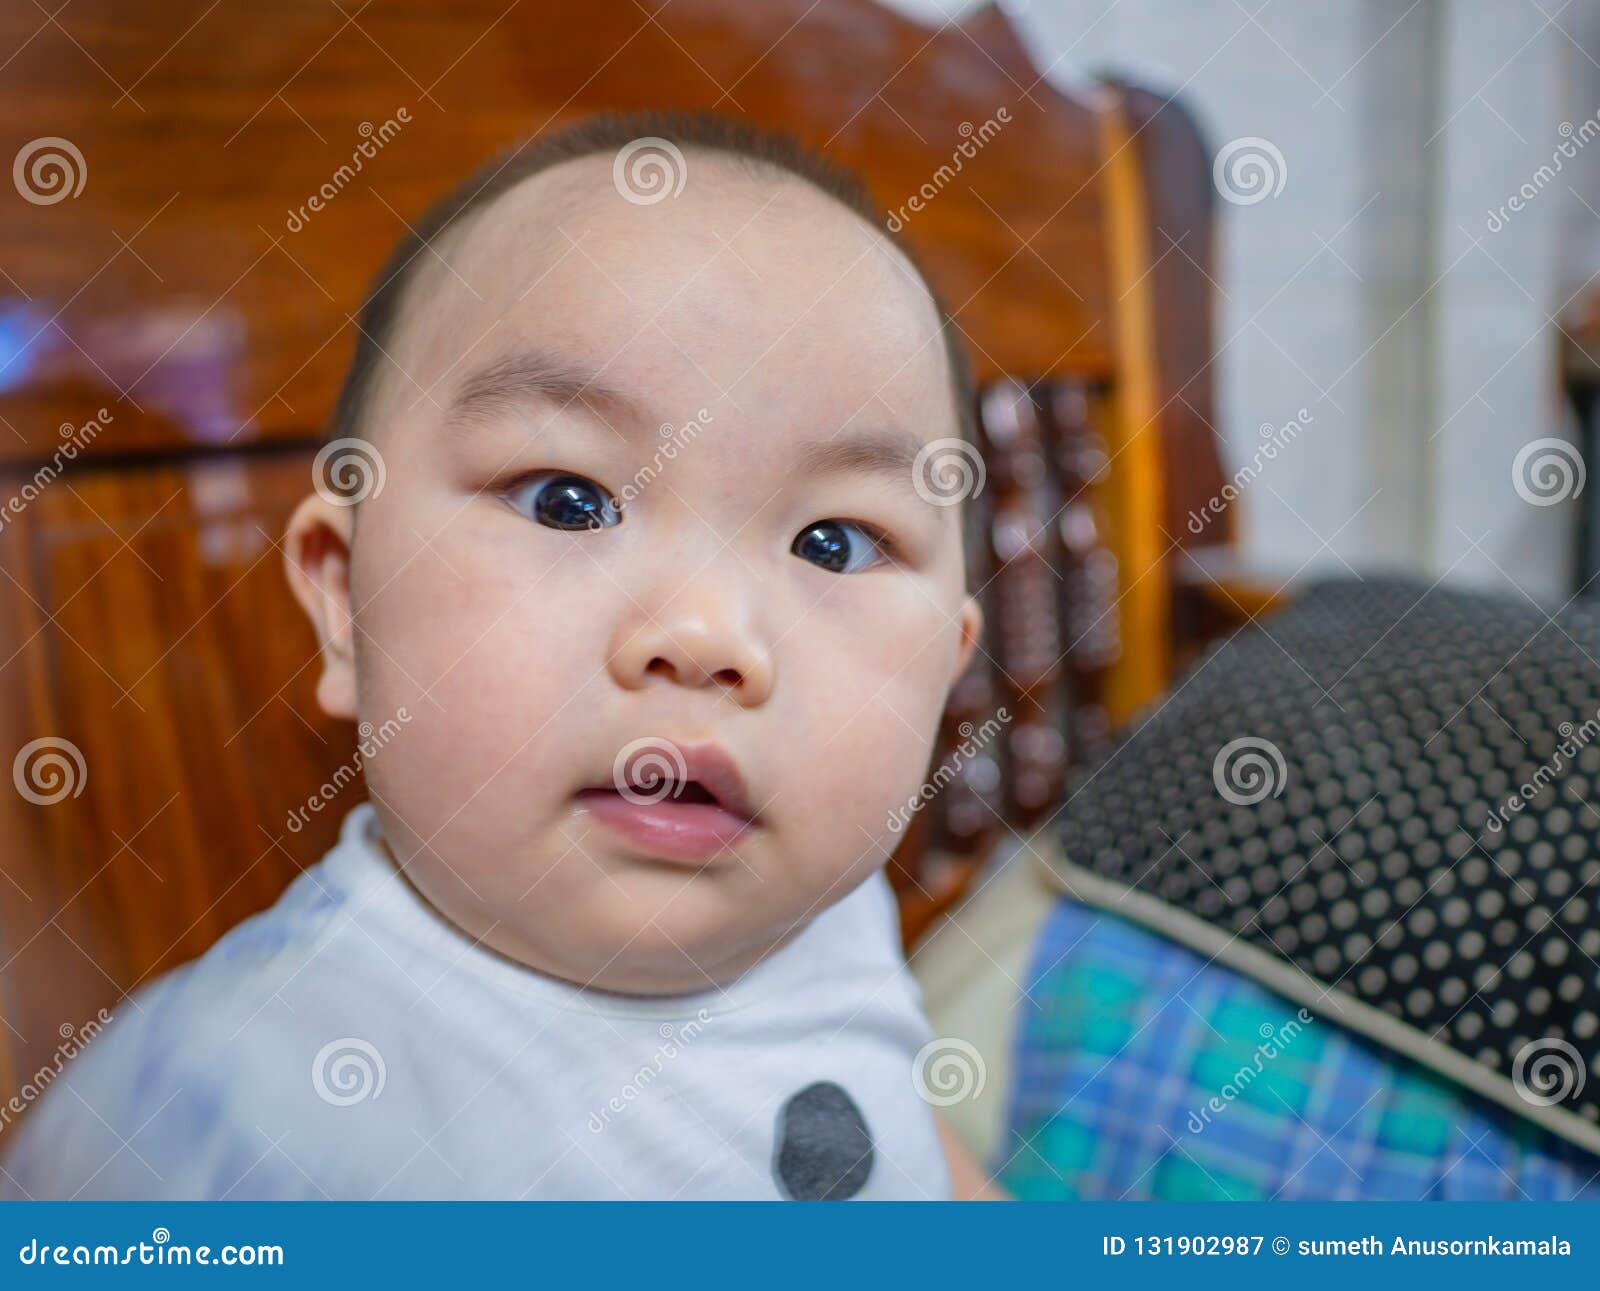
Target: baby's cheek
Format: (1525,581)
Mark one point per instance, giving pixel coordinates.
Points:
(881,753)
(494,686)
(868,737)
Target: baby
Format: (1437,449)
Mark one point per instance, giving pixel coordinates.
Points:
(639,578)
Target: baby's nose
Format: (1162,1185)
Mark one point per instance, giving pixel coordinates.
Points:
(697,646)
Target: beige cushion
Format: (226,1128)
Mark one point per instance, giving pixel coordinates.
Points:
(973,969)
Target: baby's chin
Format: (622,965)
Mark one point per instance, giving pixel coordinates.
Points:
(665,956)
(607,920)
(649,933)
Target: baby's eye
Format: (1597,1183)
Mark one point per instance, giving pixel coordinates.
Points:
(565,502)
(840,546)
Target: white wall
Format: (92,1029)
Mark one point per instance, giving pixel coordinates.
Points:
(1370,290)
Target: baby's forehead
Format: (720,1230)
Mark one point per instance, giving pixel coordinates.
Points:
(723,203)
(748,283)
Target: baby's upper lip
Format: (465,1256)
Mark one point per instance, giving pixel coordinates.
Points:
(709,765)
(719,775)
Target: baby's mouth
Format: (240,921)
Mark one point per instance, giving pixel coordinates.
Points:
(671,802)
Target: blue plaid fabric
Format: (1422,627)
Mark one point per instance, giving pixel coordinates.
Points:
(1145,1071)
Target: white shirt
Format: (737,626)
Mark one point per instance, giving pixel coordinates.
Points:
(351,1043)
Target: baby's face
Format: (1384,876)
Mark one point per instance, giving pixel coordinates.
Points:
(774,611)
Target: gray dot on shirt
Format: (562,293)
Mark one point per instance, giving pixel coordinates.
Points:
(824,1148)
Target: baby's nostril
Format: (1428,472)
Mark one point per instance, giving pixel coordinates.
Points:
(660,666)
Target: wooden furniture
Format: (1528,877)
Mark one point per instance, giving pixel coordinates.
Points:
(177,314)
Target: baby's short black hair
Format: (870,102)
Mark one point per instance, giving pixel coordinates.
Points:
(756,148)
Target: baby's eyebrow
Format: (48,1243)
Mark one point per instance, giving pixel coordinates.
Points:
(534,376)
(880,450)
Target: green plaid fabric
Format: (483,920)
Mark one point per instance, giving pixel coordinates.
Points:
(1146,1071)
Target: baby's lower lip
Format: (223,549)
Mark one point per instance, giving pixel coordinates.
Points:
(670,829)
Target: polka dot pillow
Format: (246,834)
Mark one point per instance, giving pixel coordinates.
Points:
(1382,802)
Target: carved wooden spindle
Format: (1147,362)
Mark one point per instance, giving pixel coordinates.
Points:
(1091,624)
(1024,598)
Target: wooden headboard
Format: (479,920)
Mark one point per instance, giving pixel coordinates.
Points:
(180,258)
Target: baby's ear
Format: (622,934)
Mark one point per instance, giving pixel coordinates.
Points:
(317,561)
(971,633)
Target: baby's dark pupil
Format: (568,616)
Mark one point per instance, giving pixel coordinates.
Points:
(825,545)
(570,503)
